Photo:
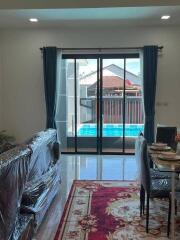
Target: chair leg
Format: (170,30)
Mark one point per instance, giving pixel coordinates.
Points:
(176,207)
(144,198)
(141,200)
(169,217)
(147,214)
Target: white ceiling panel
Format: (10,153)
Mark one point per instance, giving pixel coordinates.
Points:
(95,16)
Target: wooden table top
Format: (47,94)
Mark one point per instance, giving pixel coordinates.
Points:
(164,165)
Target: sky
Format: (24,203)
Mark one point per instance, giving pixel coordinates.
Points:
(90,65)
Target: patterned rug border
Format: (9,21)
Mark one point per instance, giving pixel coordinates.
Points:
(70,198)
(64,211)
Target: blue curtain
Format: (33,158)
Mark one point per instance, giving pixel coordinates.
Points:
(49,67)
(150,55)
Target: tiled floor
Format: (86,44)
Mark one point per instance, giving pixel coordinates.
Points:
(87,167)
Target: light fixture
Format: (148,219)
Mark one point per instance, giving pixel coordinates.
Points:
(165,17)
(33,20)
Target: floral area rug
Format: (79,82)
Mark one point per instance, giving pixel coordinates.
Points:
(109,210)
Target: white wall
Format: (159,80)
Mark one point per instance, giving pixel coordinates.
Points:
(24,107)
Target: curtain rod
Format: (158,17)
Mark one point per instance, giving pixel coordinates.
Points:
(100,49)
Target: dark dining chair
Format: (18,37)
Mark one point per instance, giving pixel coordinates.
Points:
(167,135)
(155,174)
(150,188)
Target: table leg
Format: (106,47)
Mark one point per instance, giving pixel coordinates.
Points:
(173,207)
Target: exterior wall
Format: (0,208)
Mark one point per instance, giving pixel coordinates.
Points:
(23,92)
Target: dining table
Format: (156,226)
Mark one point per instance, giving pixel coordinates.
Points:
(171,165)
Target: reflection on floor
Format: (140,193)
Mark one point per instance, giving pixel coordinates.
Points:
(105,150)
(84,167)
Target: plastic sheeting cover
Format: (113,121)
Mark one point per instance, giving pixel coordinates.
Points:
(14,170)
(44,178)
(42,145)
(24,228)
(37,192)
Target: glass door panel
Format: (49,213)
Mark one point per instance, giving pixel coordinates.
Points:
(65,117)
(100,103)
(112,83)
(86,100)
(133,103)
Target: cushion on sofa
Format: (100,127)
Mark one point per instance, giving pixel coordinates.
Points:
(43,154)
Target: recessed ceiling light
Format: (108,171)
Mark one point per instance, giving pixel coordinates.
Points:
(33,20)
(165,17)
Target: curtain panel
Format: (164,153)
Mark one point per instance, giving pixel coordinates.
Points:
(61,104)
(150,56)
(50,74)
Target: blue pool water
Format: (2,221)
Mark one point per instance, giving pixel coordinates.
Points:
(110,130)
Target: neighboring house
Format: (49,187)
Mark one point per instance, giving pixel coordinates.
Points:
(113,92)
(113,82)
(110,70)
(114,86)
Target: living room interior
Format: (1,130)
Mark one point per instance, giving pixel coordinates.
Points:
(101,44)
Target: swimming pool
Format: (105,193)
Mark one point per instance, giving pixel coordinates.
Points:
(110,130)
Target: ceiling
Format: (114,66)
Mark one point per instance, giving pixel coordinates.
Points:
(92,16)
(52,4)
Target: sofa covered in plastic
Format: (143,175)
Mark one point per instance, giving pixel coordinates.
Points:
(14,170)
(29,181)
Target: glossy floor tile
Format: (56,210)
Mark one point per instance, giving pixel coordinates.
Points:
(84,167)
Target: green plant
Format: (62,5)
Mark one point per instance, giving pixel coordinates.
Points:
(6,141)
(5,138)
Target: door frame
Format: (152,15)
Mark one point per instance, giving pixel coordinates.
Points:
(99,96)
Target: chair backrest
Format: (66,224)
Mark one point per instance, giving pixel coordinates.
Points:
(137,156)
(167,135)
(145,176)
(137,148)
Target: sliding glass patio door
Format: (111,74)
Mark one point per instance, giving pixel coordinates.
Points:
(112,105)
(78,104)
(133,103)
(86,105)
(121,111)
(100,103)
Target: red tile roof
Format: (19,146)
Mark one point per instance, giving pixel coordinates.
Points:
(114,82)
